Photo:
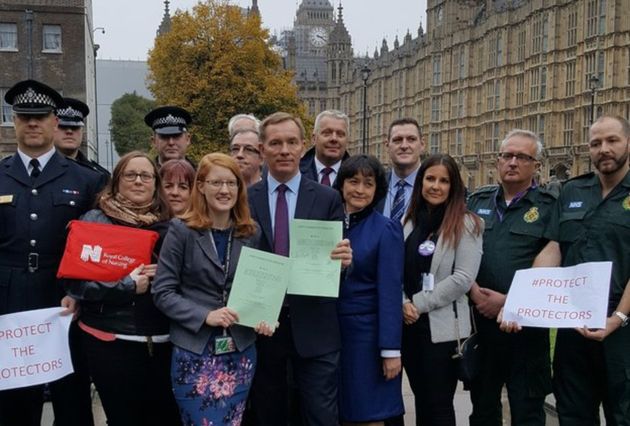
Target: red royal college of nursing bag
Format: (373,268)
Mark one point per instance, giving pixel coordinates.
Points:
(104,252)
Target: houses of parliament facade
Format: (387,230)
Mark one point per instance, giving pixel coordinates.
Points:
(481,68)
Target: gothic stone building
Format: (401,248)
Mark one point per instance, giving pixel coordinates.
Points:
(483,68)
(49,41)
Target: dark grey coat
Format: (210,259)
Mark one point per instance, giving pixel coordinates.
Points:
(188,285)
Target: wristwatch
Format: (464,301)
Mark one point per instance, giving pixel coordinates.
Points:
(623,317)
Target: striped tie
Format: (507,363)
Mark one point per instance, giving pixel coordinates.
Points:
(398,206)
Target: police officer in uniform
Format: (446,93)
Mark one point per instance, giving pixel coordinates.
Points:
(40,192)
(515,213)
(170,133)
(69,133)
(591,222)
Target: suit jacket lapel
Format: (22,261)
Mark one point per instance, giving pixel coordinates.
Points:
(260,202)
(15,169)
(305,199)
(440,257)
(207,246)
(56,166)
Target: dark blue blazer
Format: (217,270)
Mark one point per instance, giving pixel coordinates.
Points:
(313,319)
(33,219)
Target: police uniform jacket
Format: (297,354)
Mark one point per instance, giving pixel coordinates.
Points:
(83,160)
(33,218)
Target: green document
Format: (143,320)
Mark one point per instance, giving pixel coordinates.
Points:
(313,272)
(259,286)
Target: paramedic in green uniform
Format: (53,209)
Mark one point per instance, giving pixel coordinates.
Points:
(591,222)
(515,213)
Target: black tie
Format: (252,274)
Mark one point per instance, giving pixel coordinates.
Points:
(35,172)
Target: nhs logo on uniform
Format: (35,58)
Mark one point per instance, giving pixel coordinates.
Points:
(575,204)
(91,253)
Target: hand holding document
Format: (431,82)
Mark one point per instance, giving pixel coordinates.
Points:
(575,296)
(313,272)
(259,286)
(262,279)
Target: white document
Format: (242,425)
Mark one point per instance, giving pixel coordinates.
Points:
(34,348)
(575,296)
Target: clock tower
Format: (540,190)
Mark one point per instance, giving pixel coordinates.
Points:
(314,21)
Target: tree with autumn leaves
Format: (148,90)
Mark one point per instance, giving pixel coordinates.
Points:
(216,62)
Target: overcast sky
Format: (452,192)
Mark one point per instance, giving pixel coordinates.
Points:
(130,25)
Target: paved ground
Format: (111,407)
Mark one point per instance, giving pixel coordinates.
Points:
(463,409)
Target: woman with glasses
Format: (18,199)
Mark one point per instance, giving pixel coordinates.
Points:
(124,336)
(443,247)
(213,357)
(177,178)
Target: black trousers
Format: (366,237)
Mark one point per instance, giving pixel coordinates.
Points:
(315,380)
(524,369)
(133,384)
(71,399)
(432,374)
(588,373)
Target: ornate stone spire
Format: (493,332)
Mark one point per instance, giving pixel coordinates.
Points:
(384,48)
(340,34)
(165,26)
(254,8)
(407,37)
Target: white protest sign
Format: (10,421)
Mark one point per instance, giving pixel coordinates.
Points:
(575,296)
(34,348)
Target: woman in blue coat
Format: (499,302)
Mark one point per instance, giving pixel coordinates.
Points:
(370,311)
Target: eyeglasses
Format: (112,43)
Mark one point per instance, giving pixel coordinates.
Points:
(132,176)
(520,158)
(218,184)
(250,150)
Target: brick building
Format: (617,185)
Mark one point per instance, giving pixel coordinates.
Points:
(50,41)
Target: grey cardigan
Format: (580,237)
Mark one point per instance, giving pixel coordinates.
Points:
(188,285)
(455,270)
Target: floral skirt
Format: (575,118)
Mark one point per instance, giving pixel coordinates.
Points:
(211,390)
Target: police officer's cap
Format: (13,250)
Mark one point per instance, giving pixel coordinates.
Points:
(73,114)
(34,98)
(168,120)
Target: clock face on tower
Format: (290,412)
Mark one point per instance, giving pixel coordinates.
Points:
(318,37)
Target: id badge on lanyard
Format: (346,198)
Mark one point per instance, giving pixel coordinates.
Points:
(224,344)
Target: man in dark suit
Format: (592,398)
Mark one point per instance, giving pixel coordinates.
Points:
(330,138)
(307,341)
(40,192)
(405,145)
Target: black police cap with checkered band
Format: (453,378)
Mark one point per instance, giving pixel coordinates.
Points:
(168,120)
(73,114)
(34,98)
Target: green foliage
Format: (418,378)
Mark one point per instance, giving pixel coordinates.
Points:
(217,62)
(128,131)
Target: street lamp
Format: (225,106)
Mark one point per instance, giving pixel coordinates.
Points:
(365,74)
(96,47)
(593,83)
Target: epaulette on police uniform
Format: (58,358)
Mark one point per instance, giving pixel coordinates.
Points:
(92,166)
